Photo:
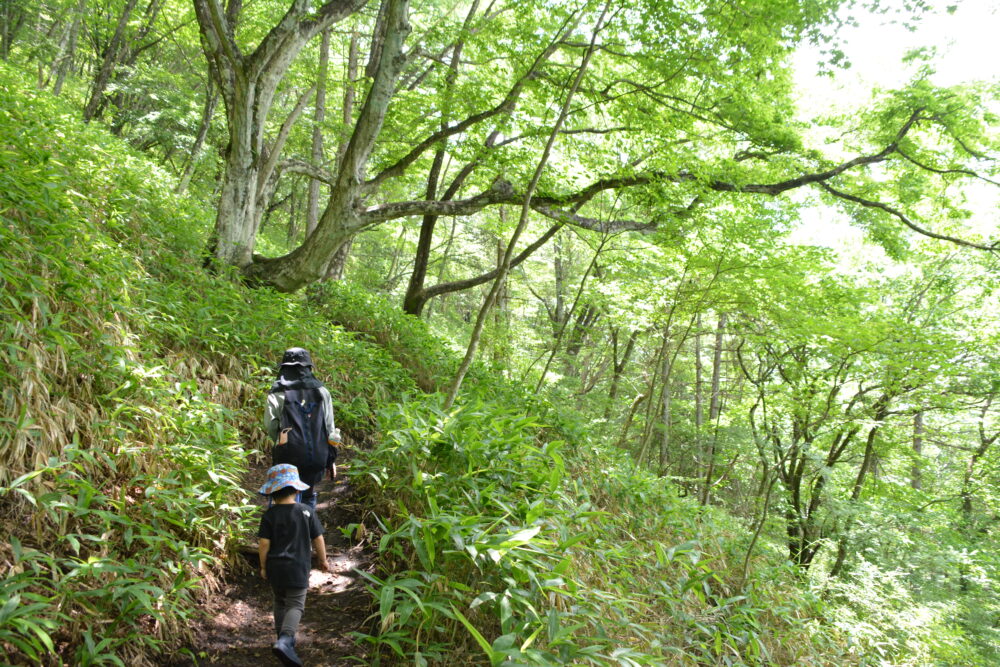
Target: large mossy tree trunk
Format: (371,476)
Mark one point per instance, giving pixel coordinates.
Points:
(340,221)
(248,83)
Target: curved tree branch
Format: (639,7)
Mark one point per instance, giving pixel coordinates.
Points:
(459,285)
(506,105)
(964,172)
(593,224)
(905,220)
(500,191)
(296,166)
(503,192)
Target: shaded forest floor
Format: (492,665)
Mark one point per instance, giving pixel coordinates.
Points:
(238,628)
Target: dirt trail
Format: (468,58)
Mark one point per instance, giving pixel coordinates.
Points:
(239,629)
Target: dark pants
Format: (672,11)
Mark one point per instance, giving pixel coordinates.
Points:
(289,603)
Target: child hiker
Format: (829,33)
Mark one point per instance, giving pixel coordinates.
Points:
(286,531)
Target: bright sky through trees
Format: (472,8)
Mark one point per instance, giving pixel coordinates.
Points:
(960,39)
(963,41)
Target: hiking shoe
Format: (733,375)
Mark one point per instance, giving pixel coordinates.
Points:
(284,649)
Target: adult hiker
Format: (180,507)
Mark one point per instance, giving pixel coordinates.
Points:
(299,420)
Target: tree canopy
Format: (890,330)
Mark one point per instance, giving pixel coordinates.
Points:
(761,345)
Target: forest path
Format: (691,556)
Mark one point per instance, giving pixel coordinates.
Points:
(238,630)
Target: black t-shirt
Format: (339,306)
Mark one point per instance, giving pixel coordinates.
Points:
(290,527)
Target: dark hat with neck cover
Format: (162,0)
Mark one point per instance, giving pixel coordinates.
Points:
(296,356)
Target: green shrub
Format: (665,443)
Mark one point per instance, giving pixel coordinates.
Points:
(132,383)
(503,546)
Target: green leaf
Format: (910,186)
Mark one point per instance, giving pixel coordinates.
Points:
(494,656)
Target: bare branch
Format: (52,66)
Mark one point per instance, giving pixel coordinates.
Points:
(508,104)
(459,285)
(905,220)
(965,172)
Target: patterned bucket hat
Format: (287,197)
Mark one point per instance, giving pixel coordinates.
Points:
(280,476)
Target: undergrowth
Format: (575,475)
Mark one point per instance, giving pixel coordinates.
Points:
(500,548)
(132,382)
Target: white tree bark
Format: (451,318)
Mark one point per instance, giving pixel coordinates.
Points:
(248,83)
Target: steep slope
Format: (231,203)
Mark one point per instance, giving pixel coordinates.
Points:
(132,381)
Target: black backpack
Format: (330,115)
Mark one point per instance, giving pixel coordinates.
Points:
(306,449)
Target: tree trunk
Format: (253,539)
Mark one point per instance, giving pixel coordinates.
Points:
(11,19)
(500,311)
(618,366)
(699,408)
(232,240)
(558,315)
(67,50)
(714,407)
(667,397)
(582,325)
(442,266)
(767,486)
(126,57)
(350,92)
(211,100)
(414,299)
(312,205)
(636,402)
(714,410)
(881,410)
(337,265)
(569,316)
(292,232)
(662,353)
(968,481)
(918,449)
(108,61)
(340,220)
(353,205)
(391,275)
(248,84)
(970,467)
(261,179)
